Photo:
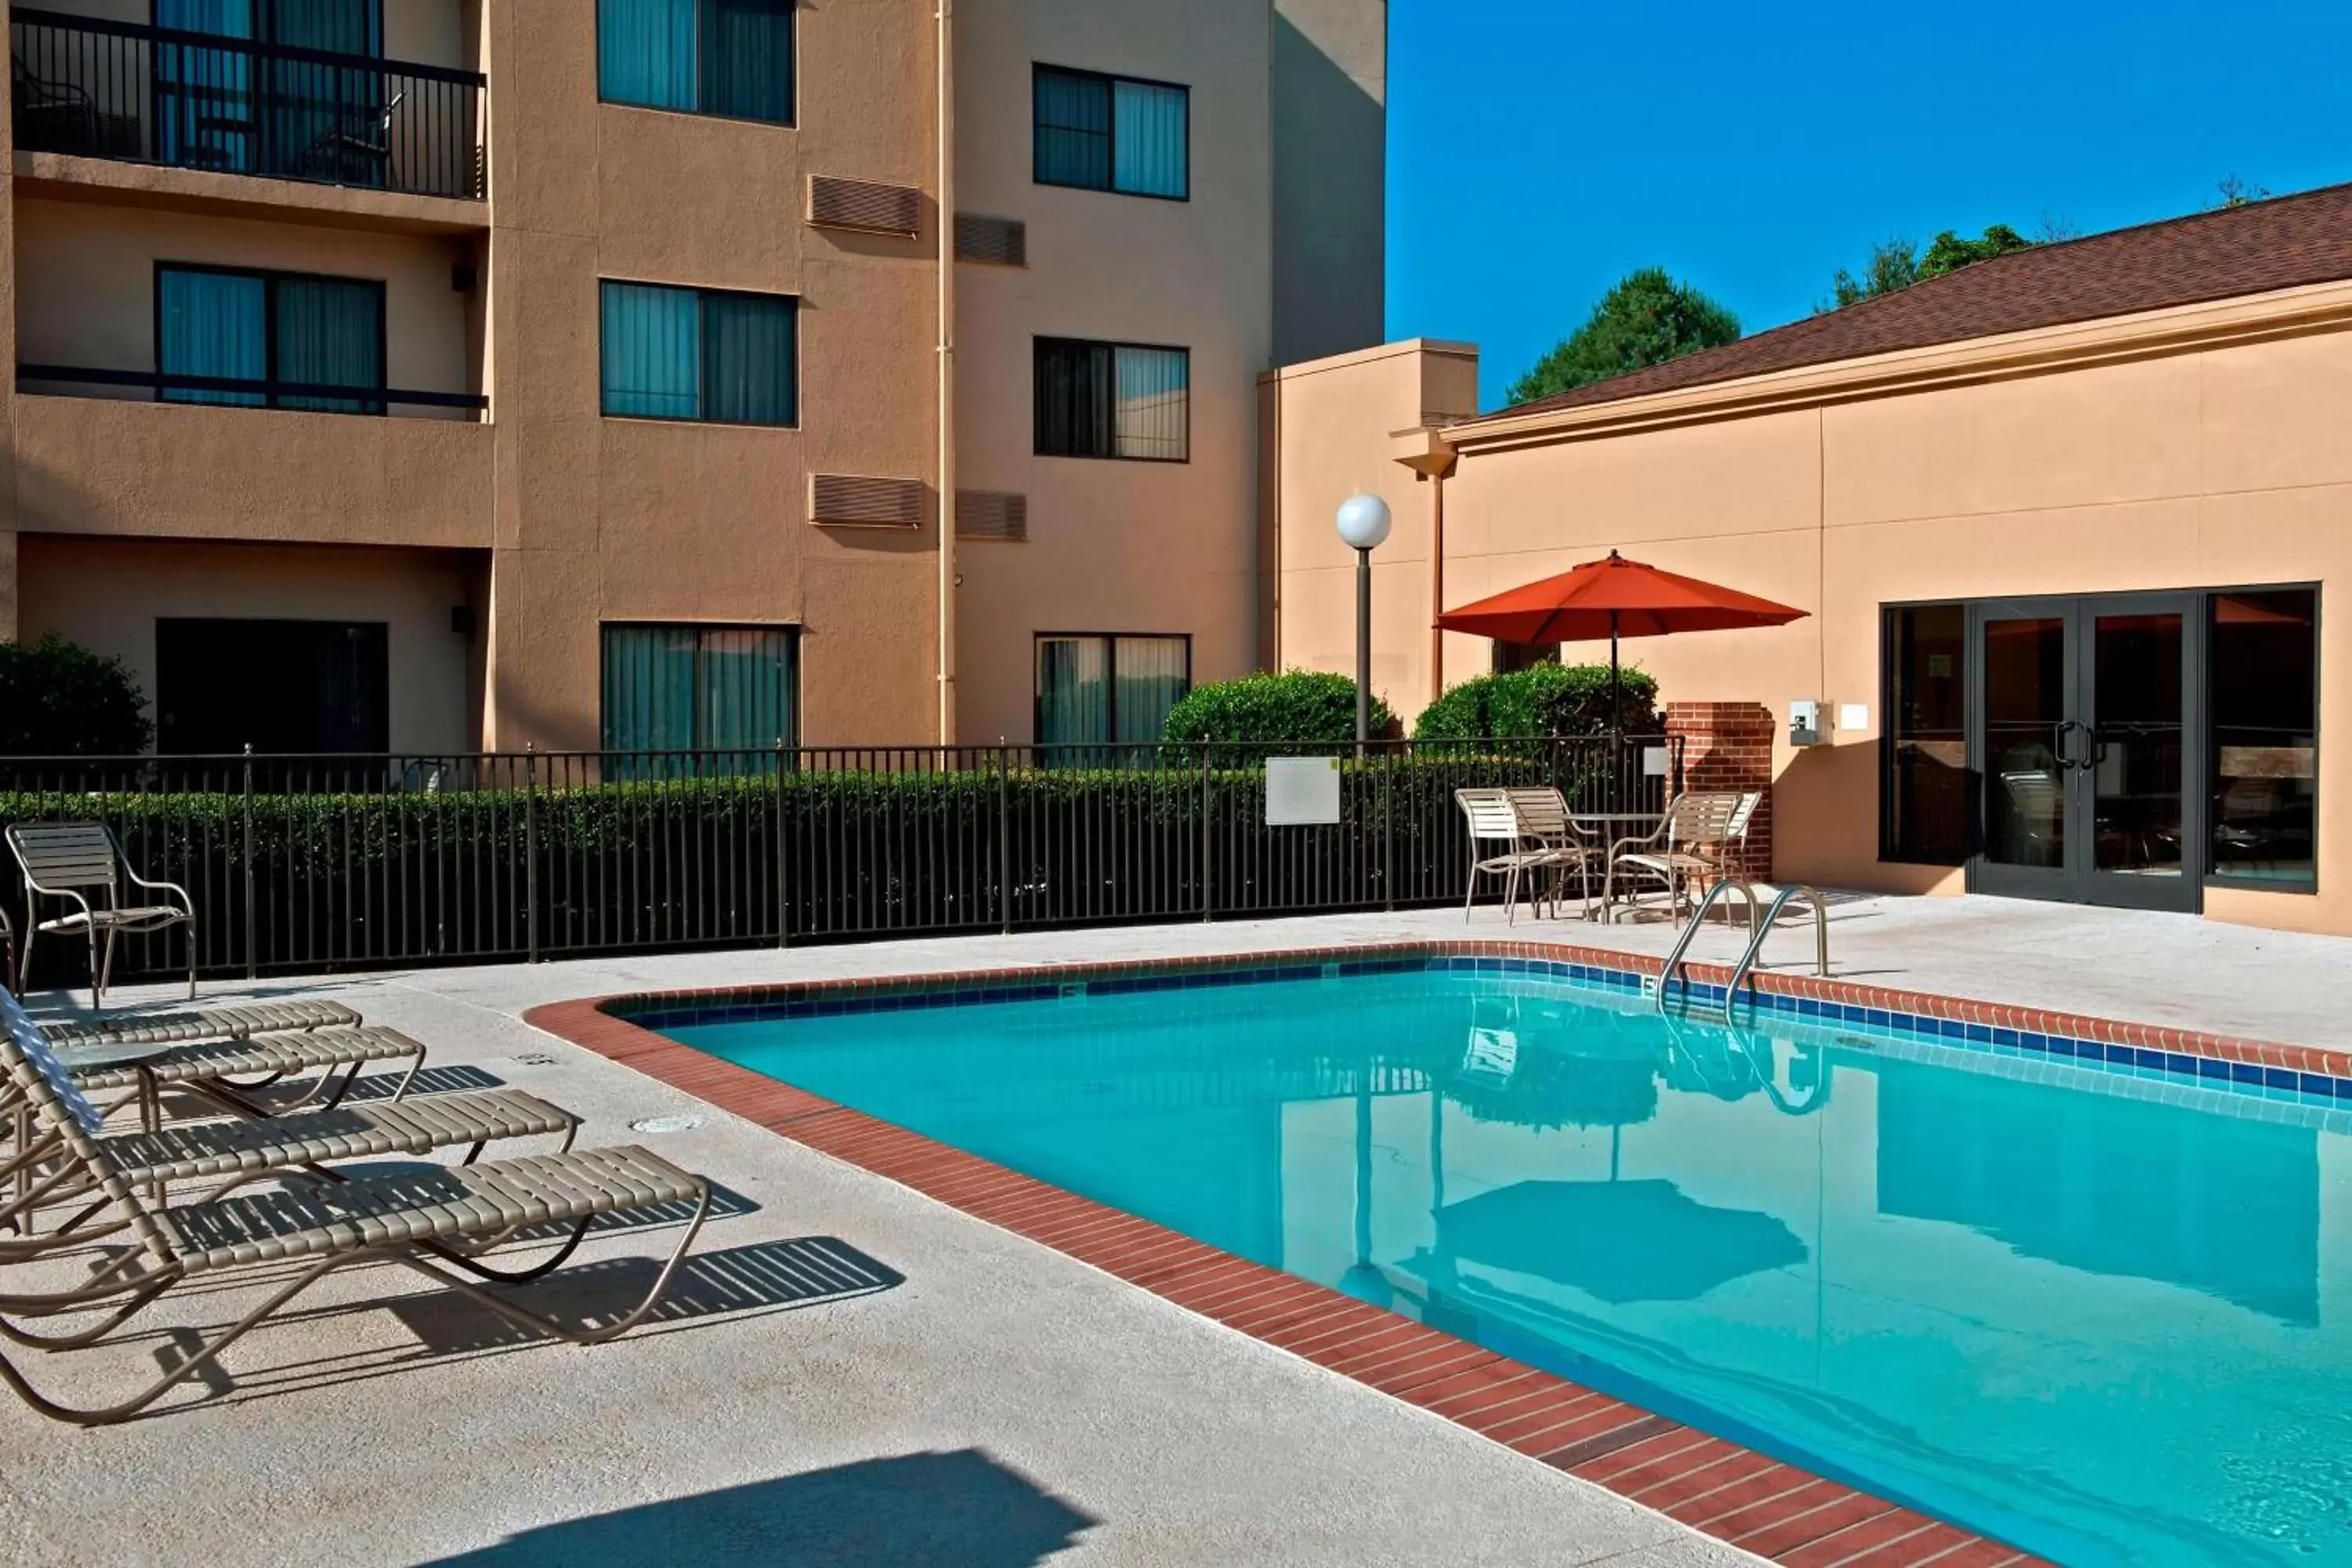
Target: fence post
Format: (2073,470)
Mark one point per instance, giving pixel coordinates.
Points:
(1208,873)
(784,905)
(531,851)
(1388,822)
(252,955)
(1005,835)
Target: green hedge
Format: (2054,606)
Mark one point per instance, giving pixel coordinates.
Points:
(1259,715)
(1546,700)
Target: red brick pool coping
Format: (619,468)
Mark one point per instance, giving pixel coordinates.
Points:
(1763,1506)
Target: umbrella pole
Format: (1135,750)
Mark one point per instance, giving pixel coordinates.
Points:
(1616,706)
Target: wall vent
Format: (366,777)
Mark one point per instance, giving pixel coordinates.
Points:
(1001,241)
(992,514)
(862,204)
(855,501)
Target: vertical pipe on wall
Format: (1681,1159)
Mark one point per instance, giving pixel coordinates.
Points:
(944,45)
(1436,585)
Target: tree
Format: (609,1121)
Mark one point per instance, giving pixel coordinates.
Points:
(1897,264)
(2237,192)
(58,700)
(1647,319)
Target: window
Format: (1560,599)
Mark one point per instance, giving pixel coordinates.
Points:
(1108,690)
(1114,400)
(694,687)
(227,109)
(1926,811)
(303,687)
(695,353)
(272,330)
(727,58)
(1110,133)
(2264,686)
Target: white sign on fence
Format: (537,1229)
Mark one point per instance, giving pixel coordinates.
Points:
(1302,792)
(1653,762)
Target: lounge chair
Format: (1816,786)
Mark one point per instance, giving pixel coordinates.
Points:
(76,860)
(438,1224)
(1692,843)
(1493,819)
(234,1023)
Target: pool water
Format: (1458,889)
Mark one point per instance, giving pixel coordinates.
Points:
(2107,1320)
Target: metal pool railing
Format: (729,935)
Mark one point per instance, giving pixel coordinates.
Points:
(309,863)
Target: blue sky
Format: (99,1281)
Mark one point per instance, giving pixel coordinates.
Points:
(1540,149)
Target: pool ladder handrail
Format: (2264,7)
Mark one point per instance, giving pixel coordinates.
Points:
(1741,975)
(1690,931)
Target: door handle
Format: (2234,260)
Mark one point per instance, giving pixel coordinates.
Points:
(2066,758)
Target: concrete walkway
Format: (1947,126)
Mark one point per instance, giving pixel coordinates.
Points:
(855,1375)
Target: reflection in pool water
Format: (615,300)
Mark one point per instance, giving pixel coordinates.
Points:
(2103,1318)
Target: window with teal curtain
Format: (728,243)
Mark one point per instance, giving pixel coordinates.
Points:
(747,60)
(1073,114)
(748,359)
(684,353)
(203,97)
(652,352)
(1151,139)
(1073,693)
(731,58)
(647,53)
(1110,134)
(1155,404)
(213,324)
(1151,676)
(330,332)
(698,688)
(314,113)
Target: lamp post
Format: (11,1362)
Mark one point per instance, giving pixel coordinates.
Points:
(1364,524)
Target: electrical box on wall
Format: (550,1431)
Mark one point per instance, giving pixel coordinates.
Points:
(1804,722)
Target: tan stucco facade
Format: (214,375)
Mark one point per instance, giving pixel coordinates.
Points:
(562,521)
(2199,447)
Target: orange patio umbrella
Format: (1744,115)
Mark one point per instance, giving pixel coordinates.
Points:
(1614,598)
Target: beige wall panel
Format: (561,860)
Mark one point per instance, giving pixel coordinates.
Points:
(2087,437)
(2278,415)
(107,595)
(93,466)
(868,657)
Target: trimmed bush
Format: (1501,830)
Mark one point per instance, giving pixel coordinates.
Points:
(60,699)
(1547,699)
(1260,714)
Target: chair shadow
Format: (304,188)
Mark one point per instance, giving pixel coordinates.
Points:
(962,1507)
(457,1078)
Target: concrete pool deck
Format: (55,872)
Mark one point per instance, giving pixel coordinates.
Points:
(859,1374)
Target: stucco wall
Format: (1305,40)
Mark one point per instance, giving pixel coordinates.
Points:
(1113,546)
(1330,176)
(2219,467)
(107,595)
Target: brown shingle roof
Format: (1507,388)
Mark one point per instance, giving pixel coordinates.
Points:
(2250,249)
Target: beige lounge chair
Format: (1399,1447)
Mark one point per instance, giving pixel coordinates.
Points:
(238,1022)
(1493,820)
(1692,843)
(80,861)
(448,1218)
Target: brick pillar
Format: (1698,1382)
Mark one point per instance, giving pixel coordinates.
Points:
(1728,746)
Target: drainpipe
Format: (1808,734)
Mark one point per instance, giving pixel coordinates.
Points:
(944,45)
(1425,451)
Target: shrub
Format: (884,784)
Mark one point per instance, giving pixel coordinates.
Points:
(1544,700)
(1259,714)
(60,699)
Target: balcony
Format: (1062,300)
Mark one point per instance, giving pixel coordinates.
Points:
(245,392)
(93,88)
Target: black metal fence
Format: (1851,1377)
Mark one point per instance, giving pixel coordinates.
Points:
(104,88)
(338,863)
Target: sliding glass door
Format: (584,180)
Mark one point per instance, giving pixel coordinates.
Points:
(2083,710)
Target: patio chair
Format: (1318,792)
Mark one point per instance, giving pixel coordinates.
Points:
(1544,819)
(52,116)
(439,1224)
(75,860)
(1692,842)
(239,1022)
(1493,820)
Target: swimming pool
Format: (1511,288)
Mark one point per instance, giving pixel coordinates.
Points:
(2095,1313)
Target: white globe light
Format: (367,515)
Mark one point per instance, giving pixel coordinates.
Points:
(1364,521)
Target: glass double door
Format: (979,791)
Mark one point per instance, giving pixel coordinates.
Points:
(2085,720)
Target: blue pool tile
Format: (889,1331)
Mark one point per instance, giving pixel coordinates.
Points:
(2245,1072)
(2028,1040)
(2174,1062)
(2278,1078)
(2209,1067)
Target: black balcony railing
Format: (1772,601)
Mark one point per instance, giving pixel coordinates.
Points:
(245,392)
(197,101)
